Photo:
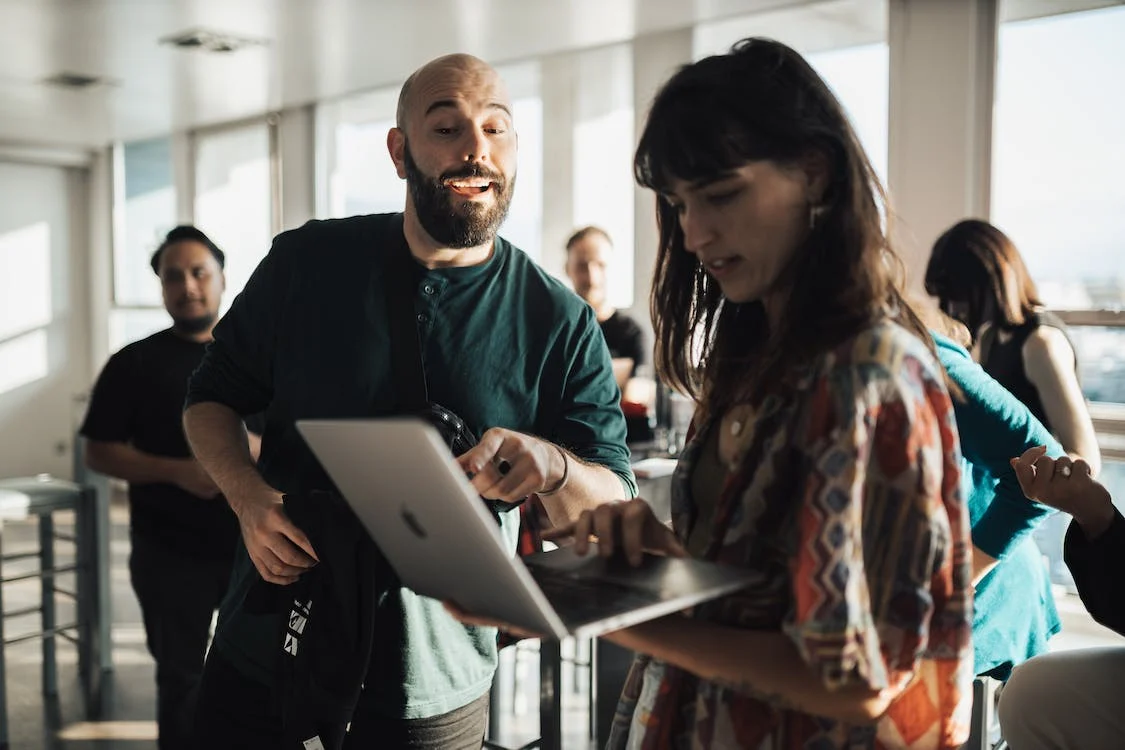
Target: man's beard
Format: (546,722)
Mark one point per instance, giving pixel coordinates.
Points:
(193,326)
(472,224)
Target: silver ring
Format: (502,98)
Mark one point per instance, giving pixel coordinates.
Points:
(1065,470)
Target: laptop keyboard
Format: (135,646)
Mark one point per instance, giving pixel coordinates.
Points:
(583,600)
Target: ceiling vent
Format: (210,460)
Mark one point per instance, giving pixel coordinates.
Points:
(211,41)
(75,81)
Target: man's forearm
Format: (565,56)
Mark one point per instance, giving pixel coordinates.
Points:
(123,461)
(587,486)
(218,438)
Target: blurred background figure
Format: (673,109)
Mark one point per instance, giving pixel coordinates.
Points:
(589,254)
(979,278)
(182,533)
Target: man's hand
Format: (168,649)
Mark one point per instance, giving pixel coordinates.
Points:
(278,548)
(629,528)
(1066,484)
(190,476)
(509,466)
(467,618)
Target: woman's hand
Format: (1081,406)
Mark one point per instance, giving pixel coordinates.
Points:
(1066,484)
(629,527)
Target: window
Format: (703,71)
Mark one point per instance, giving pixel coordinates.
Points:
(146,210)
(1100,351)
(604,142)
(846,44)
(1058,154)
(354,171)
(233,197)
(232,205)
(130,324)
(860,78)
(524,225)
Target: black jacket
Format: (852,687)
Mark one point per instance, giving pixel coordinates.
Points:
(327,619)
(1098,568)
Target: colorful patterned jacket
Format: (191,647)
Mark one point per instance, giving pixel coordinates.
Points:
(846,499)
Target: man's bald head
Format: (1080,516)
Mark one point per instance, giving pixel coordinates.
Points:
(455,145)
(465,71)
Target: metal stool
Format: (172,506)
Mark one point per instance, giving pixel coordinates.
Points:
(984,712)
(551,663)
(42,496)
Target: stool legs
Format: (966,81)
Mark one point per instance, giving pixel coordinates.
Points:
(47,587)
(3,671)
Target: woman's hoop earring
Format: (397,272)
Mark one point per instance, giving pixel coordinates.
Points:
(816,213)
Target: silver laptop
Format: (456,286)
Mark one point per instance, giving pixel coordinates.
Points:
(404,485)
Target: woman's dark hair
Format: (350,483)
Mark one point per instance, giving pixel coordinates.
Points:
(186,233)
(976,264)
(763,102)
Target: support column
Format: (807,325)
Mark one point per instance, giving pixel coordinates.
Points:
(942,79)
(655,58)
(296,151)
(557,84)
(183,175)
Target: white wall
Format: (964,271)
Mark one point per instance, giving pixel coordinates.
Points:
(44,304)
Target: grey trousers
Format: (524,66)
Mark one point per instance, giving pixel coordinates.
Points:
(1070,700)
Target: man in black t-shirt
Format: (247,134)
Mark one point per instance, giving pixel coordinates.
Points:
(183,533)
(587,256)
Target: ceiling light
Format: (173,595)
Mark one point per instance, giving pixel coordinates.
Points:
(211,41)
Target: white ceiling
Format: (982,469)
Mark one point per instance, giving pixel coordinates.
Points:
(314,50)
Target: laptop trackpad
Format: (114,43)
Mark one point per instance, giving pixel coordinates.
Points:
(585,590)
(650,575)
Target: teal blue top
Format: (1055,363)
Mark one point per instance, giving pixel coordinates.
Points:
(1014,611)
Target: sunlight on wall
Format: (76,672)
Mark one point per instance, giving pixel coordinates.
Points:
(23,360)
(25,304)
(25,279)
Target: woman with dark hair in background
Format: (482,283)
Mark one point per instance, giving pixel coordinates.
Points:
(978,276)
(825,454)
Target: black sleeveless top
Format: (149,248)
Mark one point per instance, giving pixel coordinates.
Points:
(1003,360)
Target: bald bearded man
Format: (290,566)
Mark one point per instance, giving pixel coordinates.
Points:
(506,347)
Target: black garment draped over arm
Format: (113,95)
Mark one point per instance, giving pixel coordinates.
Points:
(1098,567)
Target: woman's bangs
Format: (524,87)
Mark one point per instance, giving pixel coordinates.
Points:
(687,138)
